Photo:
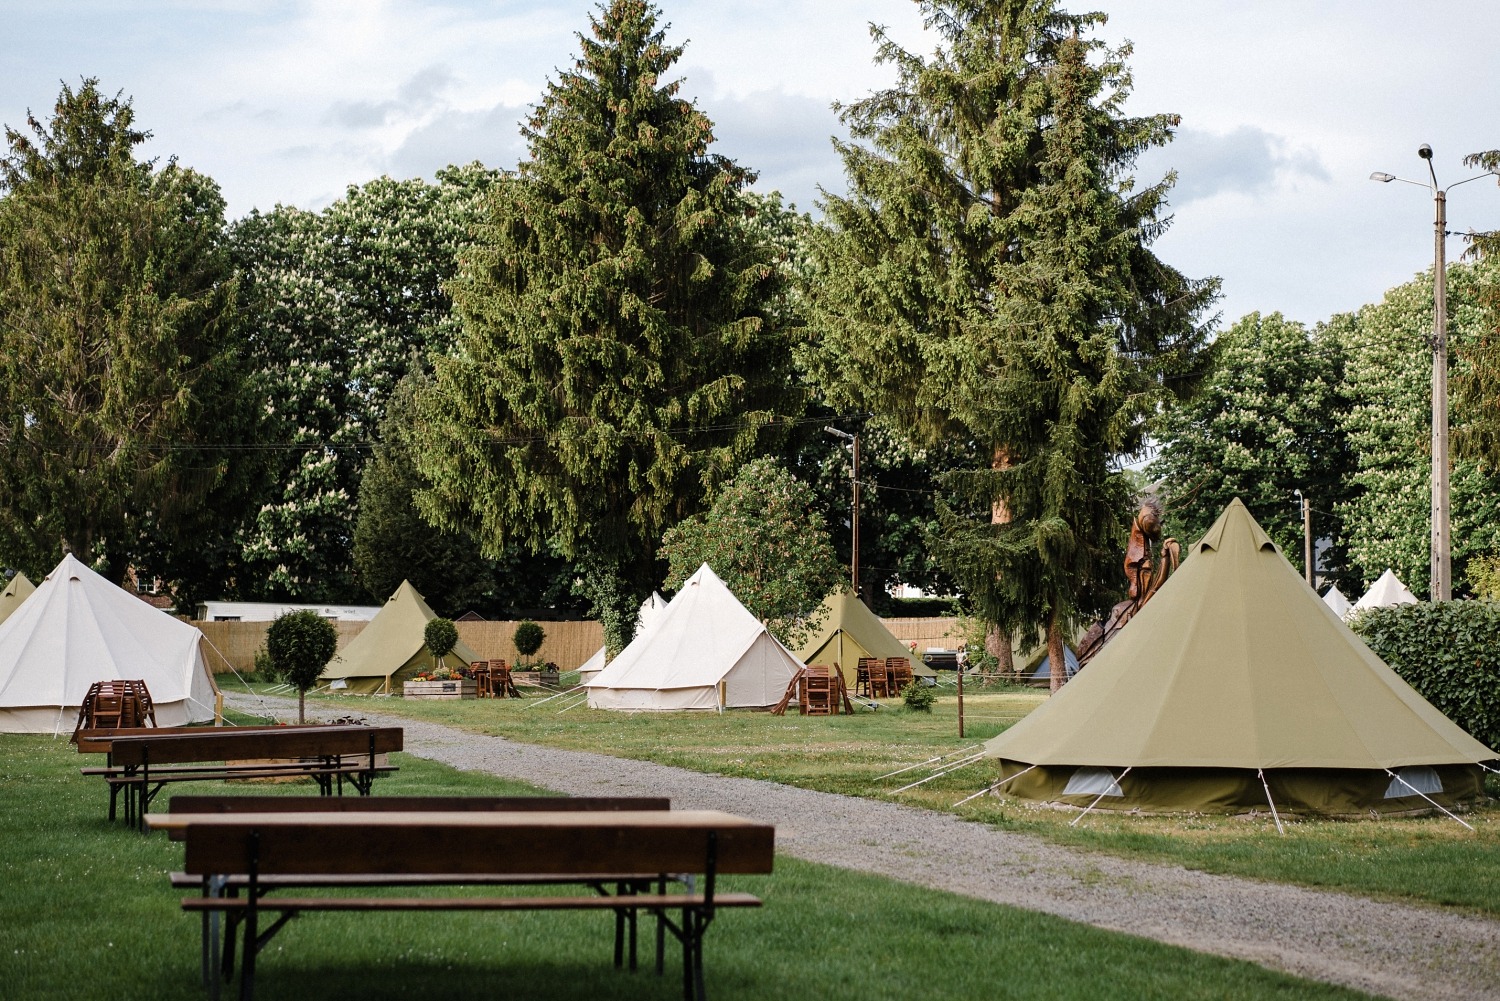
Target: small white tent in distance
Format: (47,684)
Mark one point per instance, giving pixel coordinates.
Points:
(1385,592)
(78,628)
(652,607)
(704,651)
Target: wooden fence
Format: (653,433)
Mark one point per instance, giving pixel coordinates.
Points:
(943,633)
(232,645)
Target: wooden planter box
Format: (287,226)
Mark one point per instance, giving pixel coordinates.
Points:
(455,688)
(536,679)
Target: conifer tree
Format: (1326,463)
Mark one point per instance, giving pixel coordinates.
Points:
(988,277)
(126,402)
(621,355)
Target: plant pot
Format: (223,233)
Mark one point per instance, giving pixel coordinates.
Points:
(453,688)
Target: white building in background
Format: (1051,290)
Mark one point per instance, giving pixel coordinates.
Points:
(266,611)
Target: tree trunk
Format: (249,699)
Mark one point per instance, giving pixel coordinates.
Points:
(997,641)
(301,705)
(997,645)
(1056,649)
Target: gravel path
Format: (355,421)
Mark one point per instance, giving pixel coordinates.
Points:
(1398,950)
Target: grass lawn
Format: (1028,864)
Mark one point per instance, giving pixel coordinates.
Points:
(1429,859)
(88,914)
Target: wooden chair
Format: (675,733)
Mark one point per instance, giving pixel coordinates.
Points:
(501,683)
(481,671)
(899,669)
(880,680)
(862,674)
(817,690)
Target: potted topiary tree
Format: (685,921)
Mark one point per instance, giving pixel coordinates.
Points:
(528,639)
(300,645)
(441,682)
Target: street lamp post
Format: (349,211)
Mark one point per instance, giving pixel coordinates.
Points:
(853,439)
(1441,584)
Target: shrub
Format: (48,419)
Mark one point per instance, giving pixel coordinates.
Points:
(528,638)
(919,697)
(1449,652)
(441,636)
(265,670)
(300,645)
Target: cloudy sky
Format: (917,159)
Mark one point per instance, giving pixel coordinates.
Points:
(1287,106)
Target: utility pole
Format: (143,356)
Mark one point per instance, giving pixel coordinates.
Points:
(1441,583)
(1307,537)
(853,439)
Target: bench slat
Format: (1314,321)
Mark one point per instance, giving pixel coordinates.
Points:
(643,901)
(558,843)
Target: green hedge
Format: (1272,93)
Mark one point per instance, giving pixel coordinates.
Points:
(1448,651)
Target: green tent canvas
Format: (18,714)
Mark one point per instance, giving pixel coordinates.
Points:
(17,591)
(848,631)
(1237,688)
(390,649)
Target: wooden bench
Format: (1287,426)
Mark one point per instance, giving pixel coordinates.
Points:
(355,848)
(330,755)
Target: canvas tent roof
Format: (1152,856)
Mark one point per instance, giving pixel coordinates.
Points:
(1386,591)
(704,650)
(650,609)
(17,591)
(1234,667)
(390,648)
(849,631)
(1334,599)
(78,628)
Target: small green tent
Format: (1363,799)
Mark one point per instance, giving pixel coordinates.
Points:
(17,591)
(390,649)
(848,631)
(1234,689)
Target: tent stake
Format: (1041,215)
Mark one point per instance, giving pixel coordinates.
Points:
(1274,815)
(1095,803)
(955,766)
(1424,796)
(997,785)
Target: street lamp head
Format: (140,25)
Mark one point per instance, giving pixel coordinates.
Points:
(1382,177)
(1424,151)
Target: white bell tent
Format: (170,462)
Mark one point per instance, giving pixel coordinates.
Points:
(652,607)
(1385,592)
(78,628)
(1334,599)
(703,651)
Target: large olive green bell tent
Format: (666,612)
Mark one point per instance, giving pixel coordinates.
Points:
(1237,689)
(847,631)
(390,649)
(17,591)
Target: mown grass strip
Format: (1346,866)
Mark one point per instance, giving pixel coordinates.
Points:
(88,914)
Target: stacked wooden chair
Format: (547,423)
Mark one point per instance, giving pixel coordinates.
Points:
(481,671)
(110,705)
(817,691)
(501,683)
(898,669)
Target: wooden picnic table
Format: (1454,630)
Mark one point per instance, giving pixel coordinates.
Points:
(330,755)
(634,848)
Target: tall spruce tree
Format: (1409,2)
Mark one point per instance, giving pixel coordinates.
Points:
(992,238)
(621,353)
(126,401)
